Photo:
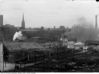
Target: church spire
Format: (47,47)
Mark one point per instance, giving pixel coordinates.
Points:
(23,23)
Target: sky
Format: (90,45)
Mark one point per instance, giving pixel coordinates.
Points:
(48,13)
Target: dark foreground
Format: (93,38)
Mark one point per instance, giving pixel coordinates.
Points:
(60,60)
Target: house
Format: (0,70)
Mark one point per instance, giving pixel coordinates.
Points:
(70,44)
(78,45)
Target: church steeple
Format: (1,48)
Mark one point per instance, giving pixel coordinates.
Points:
(23,23)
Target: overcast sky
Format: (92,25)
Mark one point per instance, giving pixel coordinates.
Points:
(48,13)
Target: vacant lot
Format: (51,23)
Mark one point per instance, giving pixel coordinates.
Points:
(59,59)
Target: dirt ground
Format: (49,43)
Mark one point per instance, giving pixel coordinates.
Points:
(56,60)
(66,61)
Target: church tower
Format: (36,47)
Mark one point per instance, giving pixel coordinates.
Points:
(23,23)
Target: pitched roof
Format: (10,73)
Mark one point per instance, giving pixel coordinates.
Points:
(23,45)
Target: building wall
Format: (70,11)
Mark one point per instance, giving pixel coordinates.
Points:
(1,57)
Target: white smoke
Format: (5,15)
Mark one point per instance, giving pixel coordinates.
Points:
(18,35)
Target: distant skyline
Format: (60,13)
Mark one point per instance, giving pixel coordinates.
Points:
(48,13)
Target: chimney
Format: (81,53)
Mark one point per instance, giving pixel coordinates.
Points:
(96,23)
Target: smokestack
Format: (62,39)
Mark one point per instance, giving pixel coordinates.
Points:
(1,20)
(96,24)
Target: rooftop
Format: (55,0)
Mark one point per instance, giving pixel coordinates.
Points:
(23,45)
